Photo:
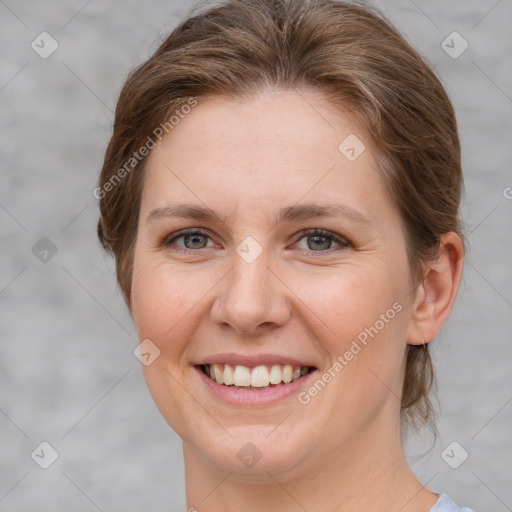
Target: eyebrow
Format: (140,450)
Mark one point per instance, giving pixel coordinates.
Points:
(286,214)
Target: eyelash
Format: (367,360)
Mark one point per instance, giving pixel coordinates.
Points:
(343,242)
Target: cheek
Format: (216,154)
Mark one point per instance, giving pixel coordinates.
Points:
(168,304)
(359,319)
(160,299)
(349,299)
(162,302)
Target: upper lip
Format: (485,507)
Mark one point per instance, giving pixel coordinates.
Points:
(254,360)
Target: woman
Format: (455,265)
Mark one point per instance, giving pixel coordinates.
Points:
(281,195)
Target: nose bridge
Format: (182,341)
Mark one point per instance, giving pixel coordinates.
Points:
(251,295)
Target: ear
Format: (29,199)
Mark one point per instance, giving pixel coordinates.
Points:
(436,294)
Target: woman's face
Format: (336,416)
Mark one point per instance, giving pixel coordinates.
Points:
(255,289)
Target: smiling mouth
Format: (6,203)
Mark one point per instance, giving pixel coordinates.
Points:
(257,377)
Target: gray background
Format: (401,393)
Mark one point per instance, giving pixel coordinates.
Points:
(68,375)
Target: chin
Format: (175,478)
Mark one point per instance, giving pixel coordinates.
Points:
(251,454)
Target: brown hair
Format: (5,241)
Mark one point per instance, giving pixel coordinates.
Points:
(351,55)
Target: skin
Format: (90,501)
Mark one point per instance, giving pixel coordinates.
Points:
(246,159)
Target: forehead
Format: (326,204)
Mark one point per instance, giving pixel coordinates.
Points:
(273,150)
(284,123)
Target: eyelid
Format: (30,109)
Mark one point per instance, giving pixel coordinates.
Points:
(168,240)
(340,240)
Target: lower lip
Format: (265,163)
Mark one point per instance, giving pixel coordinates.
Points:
(254,396)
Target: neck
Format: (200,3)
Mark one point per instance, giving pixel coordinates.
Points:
(367,472)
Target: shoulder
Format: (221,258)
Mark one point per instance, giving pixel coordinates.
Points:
(446,504)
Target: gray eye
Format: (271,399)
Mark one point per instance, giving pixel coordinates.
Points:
(197,240)
(318,242)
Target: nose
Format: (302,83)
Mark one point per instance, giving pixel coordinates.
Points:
(252,298)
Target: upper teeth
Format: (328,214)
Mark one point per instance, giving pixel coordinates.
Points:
(258,377)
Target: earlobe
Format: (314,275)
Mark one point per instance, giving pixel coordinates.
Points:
(436,294)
